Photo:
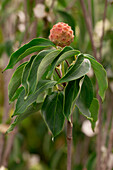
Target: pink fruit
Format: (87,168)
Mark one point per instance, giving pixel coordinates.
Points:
(61,34)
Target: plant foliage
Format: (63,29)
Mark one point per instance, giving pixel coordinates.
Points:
(61,89)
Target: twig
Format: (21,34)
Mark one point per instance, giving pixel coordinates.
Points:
(2,141)
(109,116)
(69,143)
(52,4)
(110,144)
(67,63)
(104,18)
(57,73)
(99,136)
(88,24)
(8,147)
(89,11)
(7,76)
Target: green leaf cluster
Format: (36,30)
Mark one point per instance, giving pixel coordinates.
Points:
(60,88)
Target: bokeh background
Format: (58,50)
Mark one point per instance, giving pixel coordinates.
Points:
(30,146)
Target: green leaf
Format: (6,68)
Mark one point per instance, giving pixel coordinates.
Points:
(46,61)
(100,75)
(85,97)
(26,74)
(71,92)
(17,93)
(15,81)
(79,69)
(31,47)
(94,108)
(52,111)
(22,104)
(33,71)
(67,55)
(30,110)
(68,19)
(64,54)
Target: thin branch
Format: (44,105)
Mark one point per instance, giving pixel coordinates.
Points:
(88,24)
(103,27)
(89,11)
(69,143)
(109,98)
(110,144)
(52,4)
(57,73)
(67,63)
(8,147)
(99,136)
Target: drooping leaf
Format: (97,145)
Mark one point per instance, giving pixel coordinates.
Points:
(85,97)
(68,19)
(30,110)
(33,71)
(26,74)
(71,92)
(100,74)
(22,104)
(79,69)
(52,111)
(15,81)
(31,47)
(17,93)
(94,108)
(46,61)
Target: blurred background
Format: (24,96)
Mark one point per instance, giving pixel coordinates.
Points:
(30,145)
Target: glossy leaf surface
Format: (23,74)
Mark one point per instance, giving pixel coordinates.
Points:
(15,81)
(85,97)
(22,104)
(67,55)
(71,92)
(52,111)
(33,71)
(46,61)
(30,110)
(94,108)
(100,75)
(79,69)
(26,73)
(31,47)
(17,93)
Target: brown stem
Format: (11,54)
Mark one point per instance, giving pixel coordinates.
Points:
(110,144)
(8,148)
(88,24)
(69,143)
(57,73)
(89,11)
(101,39)
(109,99)
(99,136)
(67,63)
